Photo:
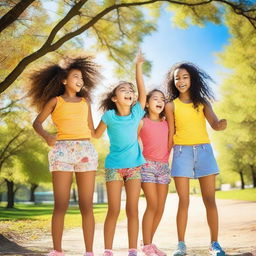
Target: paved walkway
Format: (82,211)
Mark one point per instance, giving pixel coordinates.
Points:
(237,231)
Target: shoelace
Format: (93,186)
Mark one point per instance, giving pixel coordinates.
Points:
(149,249)
(132,253)
(108,253)
(216,246)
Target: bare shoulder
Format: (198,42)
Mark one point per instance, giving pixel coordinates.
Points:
(169,106)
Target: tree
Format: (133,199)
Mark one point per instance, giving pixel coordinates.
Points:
(119,22)
(237,145)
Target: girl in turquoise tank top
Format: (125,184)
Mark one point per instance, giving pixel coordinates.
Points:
(192,153)
(123,163)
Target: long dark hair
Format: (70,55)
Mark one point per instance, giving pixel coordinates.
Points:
(107,103)
(149,95)
(47,82)
(200,92)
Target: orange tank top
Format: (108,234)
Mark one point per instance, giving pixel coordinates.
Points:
(71,119)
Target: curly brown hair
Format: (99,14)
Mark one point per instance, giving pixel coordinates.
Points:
(200,91)
(107,103)
(47,83)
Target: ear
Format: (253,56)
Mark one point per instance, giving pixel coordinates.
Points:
(147,105)
(64,81)
(114,99)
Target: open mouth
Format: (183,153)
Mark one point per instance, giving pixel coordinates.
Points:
(128,98)
(159,106)
(79,85)
(182,86)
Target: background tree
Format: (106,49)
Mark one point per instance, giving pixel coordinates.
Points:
(237,145)
(122,23)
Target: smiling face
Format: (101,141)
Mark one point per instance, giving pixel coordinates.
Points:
(124,95)
(156,103)
(182,80)
(74,81)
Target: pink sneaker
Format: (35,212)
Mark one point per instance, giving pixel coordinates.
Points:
(108,253)
(158,251)
(55,253)
(149,250)
(88,254)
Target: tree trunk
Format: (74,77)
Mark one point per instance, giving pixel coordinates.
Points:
(242,179)
(33,188)
(253,170)
(74,195)
(10,193)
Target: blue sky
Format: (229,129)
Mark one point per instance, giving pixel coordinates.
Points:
(198,45)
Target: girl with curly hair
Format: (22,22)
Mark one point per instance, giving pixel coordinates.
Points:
(63,91)
(193,156)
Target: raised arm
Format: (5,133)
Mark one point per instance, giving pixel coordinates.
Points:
(216,124)
(169,112)
(38,123)
(139,80)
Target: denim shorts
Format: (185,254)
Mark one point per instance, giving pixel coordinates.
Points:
(155,172)
(193,161)
(73,156)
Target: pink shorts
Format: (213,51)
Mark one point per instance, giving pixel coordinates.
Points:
(73,156)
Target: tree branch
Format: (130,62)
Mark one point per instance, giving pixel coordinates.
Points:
(49,47)
(14,13)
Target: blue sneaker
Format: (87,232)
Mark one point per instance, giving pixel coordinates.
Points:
(181,249)
(216,250)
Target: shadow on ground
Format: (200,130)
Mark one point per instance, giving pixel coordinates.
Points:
(7,247)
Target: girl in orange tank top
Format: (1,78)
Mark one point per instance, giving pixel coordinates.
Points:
(192,153)
(63,91)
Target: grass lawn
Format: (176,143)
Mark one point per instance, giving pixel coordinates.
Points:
(248,194)
(29,221)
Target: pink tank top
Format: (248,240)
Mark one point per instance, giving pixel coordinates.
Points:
(154,137)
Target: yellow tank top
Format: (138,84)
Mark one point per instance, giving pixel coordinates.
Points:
(71,119)
(190,124)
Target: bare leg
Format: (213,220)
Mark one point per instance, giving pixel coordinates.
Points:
(132,188)
(150,192)
(114,189)
(182,187)
(61,189)
(207,185)
(85,184)
(162,190)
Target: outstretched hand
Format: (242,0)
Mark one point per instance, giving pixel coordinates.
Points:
(139,58)
(222,124)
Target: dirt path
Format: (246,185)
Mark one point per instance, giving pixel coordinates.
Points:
(237,231)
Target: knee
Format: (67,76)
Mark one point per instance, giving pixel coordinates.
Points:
(184,203)
(86,208)
(132,212)
(209,202)
(113,212)
(60,208)
(152,207)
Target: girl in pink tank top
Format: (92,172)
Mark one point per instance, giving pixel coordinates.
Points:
(155,174)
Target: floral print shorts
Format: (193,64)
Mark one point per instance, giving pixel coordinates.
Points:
(124,174)
(73,156)
(155,172)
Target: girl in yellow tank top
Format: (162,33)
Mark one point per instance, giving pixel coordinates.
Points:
(192,153)
(63,91)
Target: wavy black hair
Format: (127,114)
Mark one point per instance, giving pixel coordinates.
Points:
(200,92)
(149,95)
(47,82)
(107,103)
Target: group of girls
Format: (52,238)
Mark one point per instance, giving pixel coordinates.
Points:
(178,124)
